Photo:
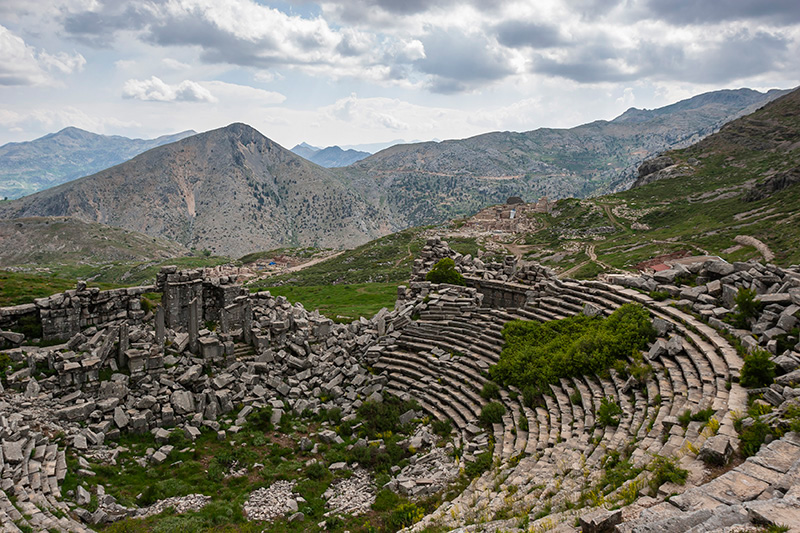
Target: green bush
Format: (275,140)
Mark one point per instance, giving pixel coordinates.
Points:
(405,515)
(659,296)
(700,416)
(747,307)
(385,500)
(316,471)
(752,437)
(445,272)
(490,390)
(539,353)
(607,412)
(443,428)
(384,416)
(5,362)
(261,419)
(492,413)
(666,469)
(481,464)
(758,369)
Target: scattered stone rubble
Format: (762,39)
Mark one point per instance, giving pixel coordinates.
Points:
(353,495)
(271,502)
(123,369)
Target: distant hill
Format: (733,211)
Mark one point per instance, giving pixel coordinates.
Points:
(71,153)
(45,240)
(735,194)
(329,157)
(231,191)
(435,181)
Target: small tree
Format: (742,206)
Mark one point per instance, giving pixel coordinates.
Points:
(746,307)
(758,369)
(445,272)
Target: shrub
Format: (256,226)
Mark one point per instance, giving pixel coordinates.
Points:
(607,412)
(445,272)
(384,416)
(385,500)
(490,390)
(746,307)
(261,419)
(405,515)
(659,296)
(481,464)
(666,469)
(492,413)
(752,437)
(523,422)
(316,471)
(537,354)
(443,428)
(5,362)
(758,369)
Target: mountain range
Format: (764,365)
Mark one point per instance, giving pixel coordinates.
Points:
(329,157)
(230,191)
(233,191)
(28,167)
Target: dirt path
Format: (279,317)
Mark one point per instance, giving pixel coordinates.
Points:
(590,251)
(311,263)
(613,219)
(517,250)
(408,248)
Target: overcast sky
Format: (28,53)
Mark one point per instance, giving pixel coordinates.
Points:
(364,71)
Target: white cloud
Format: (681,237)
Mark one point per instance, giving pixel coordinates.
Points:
(174,64)
(242,93)
(21,64)
(214,91)
(156,90)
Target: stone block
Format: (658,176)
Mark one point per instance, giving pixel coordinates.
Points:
(600,521)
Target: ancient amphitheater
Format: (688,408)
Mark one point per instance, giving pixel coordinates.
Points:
(435,347)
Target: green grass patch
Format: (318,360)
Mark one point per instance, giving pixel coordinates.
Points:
(341,303)
(18,288)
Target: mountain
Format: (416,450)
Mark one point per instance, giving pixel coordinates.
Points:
(329,157)
(46,240)
(305,150)
(231,191)
(734,194)
(71,153)
(430,182)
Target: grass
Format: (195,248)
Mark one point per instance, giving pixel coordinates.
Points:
(341,303)
(18,288)
(201,467)
(384,260)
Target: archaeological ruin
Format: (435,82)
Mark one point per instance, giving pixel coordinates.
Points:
(211,353)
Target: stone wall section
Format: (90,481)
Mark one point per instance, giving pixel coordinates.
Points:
(65,314)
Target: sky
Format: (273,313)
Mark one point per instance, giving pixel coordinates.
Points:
(368,71)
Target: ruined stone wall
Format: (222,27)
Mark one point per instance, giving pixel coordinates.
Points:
(502,285)
(65,314)
(219,297)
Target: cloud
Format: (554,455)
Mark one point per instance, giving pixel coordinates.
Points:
(720,58)
(458,61)
(21,64)
(779,12)
(157,91)
(516,33)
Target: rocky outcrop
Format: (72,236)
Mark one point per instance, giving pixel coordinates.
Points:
(659,168)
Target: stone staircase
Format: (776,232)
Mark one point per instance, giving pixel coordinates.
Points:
(443,364)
